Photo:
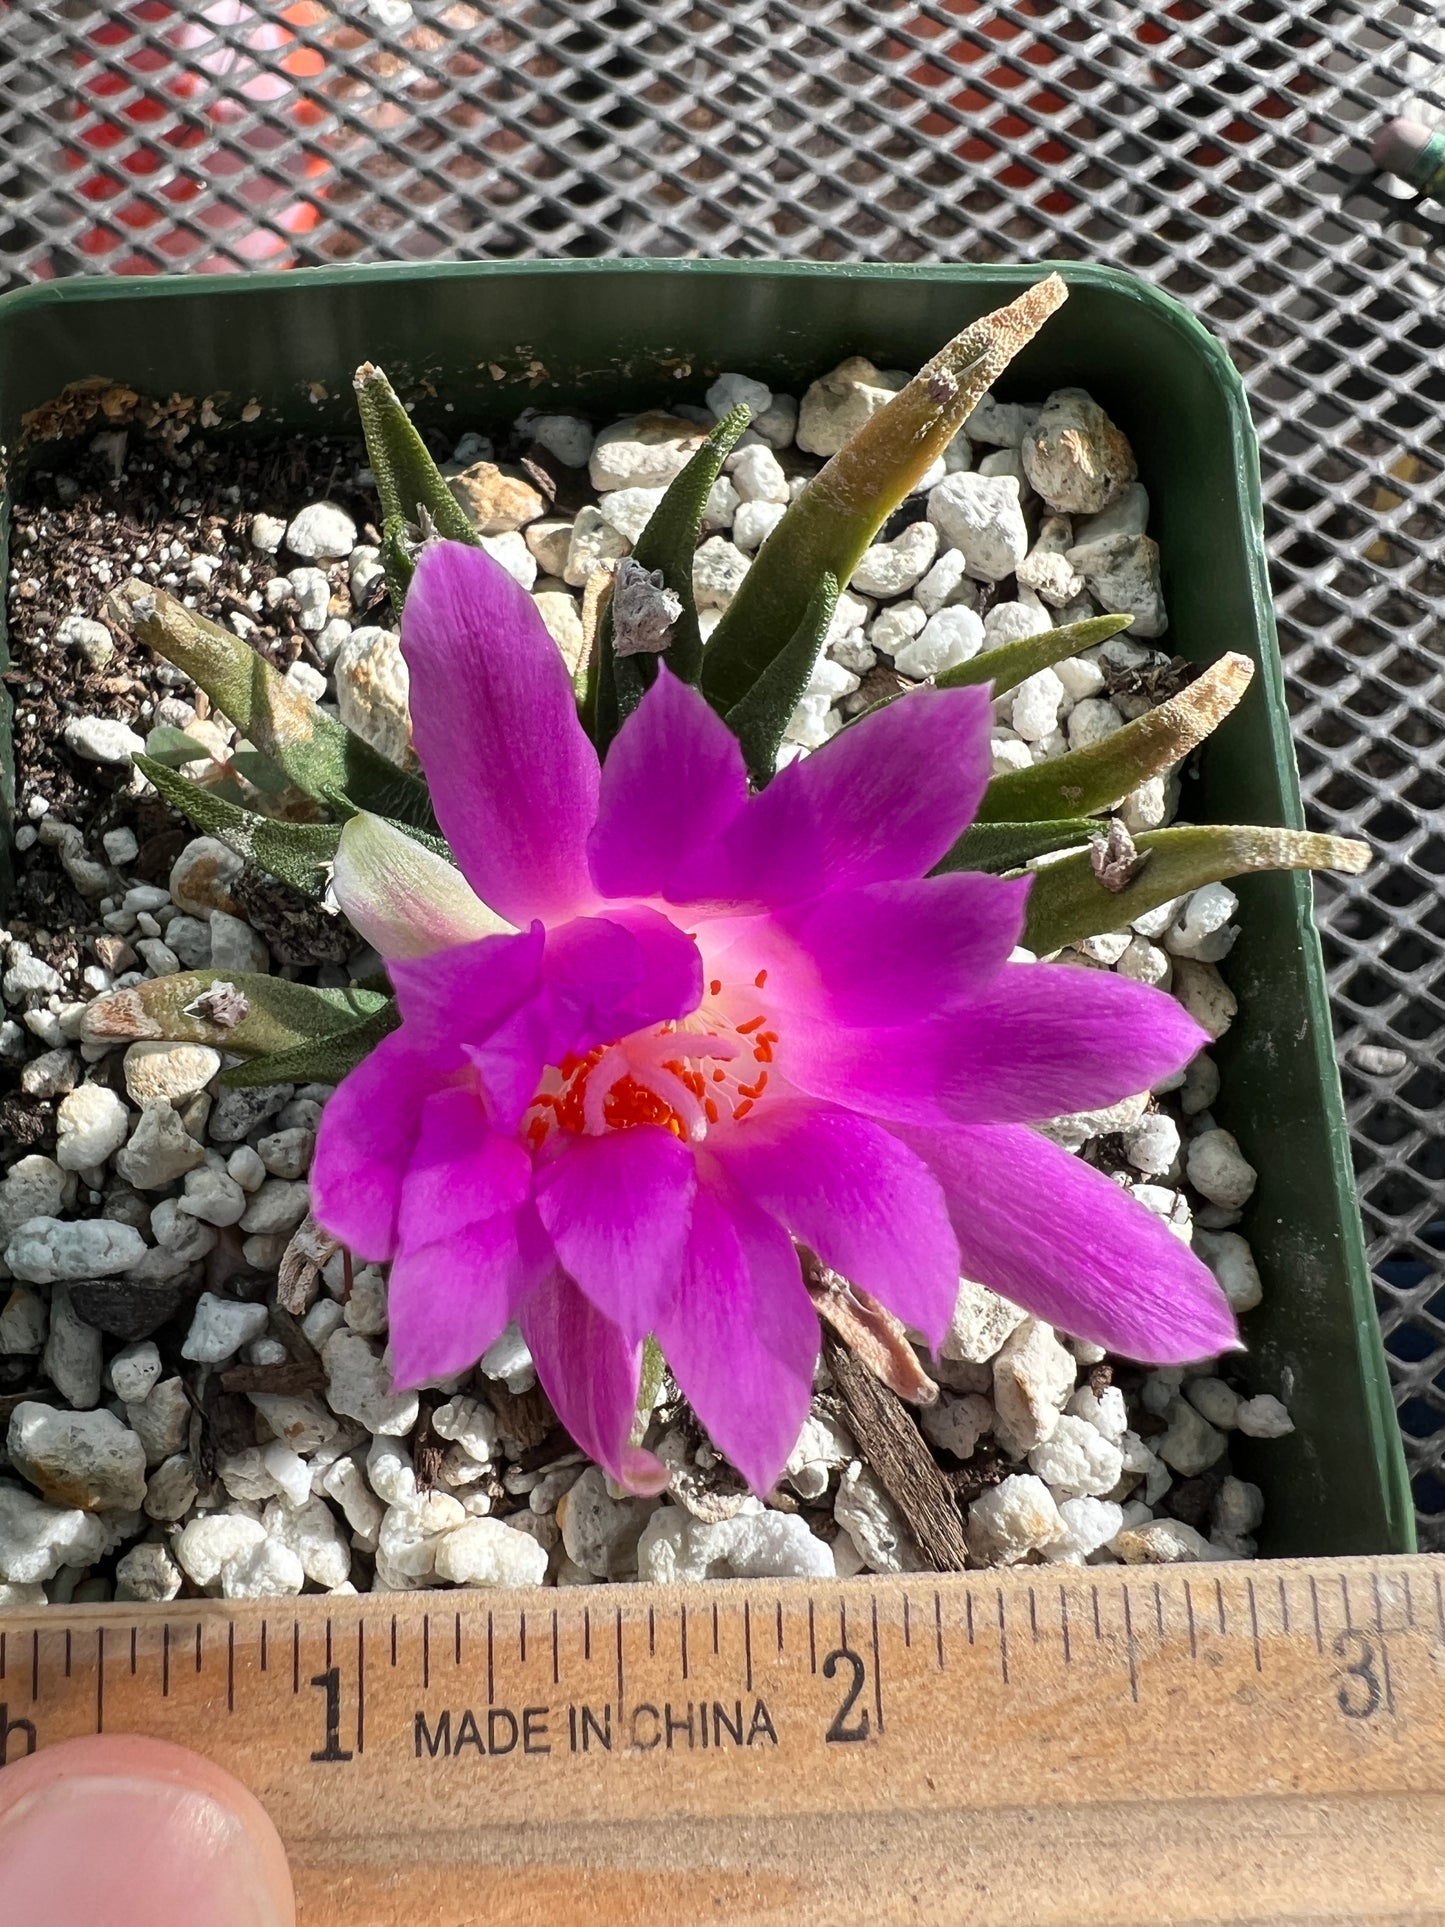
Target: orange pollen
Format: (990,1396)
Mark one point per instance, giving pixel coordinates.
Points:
(711,1109)
(754,1090)
(629,1103)
(715,987)
(743,1109)
(753,1023)
(761,979)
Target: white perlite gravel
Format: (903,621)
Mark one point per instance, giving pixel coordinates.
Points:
(139,1264)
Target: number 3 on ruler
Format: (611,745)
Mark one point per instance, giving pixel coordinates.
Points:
(841,1731)
(1360,1693)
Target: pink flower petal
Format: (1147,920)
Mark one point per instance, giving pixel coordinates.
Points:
(513,776)
(1072,1246)
(1042,1040)
(366,1137)
(461,1170)
(882,801)
(742,1336)
(880,955)
(448,1300)
(404,898)
(673,779)
(592,1376)
(601,977)
(457,996)
(617,1209)
(865,1203)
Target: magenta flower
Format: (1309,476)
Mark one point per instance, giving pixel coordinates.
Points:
(672,1027)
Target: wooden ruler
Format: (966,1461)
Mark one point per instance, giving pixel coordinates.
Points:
(1073,1745)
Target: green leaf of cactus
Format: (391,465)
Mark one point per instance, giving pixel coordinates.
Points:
(318,754)
(301,854)
(412,488)
(325,1062)
(1068,903)
(997,847)
(759,720)
(667,543)
(832,522)
(1013,662)
(243,1011)
(174,748)
(259,771)
(1086,780)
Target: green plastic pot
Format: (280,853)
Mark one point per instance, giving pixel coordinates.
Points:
(479,341)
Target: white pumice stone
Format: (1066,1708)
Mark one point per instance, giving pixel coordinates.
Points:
(1203,920)
(207,1543)
(718,568)
(312,592)
(265,1570)
(411,1532)
(345,1482)
(629,510)
(86,1459)
(1088,1524)
(645,451)
(1123,577)
(1218,1168)
(160,1149)
(358,1385)
(24,1322)
(102,739)
(135,1369)
(487,1552)
(1205,995)
(567,437)
(732,391)
(508,1359)
(1230,1259)
(1126,514)
(308,1527)
(676,1548)
(754,522)
(147,1572)
(1009,752)
(91,1124)
(37,1539)
(835,407)
(999,424)
(373,690)
(757,475)
(472,1424)
(594,545)
(871,1520)
(599,1531)
(1104,1410)
(1012,1519)
(1215,1401)
(290,1472)
(1033,1375)
(1162,1542)
(320,532)
(1091,720)
(892,568)
(980,1323)
(1152,1145)
(1036,703)
(90,640)
(235,946)
(220,1327)
(1013,621)
(1076,1461)
(1238,1507)
(822,1448)
(1074,455)
(1263,1417)
(44,1249)
(171,1489)
(33,1187)
(1191,1443)
(981,517)
(212,1196)
(957,1424)
(161,1420)
(946,583)
(172,1071)
(952,636)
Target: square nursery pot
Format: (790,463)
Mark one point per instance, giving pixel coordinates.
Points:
(484,340)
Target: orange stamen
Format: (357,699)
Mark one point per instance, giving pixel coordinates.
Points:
(742,1109)
(761,979)
(716,986)
(710,1109)
(751,1025)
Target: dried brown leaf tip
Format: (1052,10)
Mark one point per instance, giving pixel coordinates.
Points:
(875,1337)
(1114,859)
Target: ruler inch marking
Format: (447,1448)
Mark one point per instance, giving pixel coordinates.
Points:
(132,1646)
(100,1679)
(1098,1626)
(393,1639)
(968,1614)
(426,1652)
(457,1642)
(1283,1606)
(780,1625)
(1189,1615)
(263,1645)
(522,1637)
(682,1625)
(491,1685)
(230,1667)
(1064,1624)
(198,1650)
(747,1650)
(652,1632)
(556,1650)
(1002,1639)
(812,1639)
(165,1662)
(1159,1608)
(1033,1617)
(360,1687)
(1219,1607)
(714,1630)
(1315,1605)
(67,1650)
(620,1674)
(295,1656)
(938,1626)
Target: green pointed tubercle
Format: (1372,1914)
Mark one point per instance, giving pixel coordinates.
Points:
(300,854)
(1067,902)
(1086,780)
(411,486)
(318,754)
(1013,662)
(759,720)
(835,518)
(243,1011)
(667,543)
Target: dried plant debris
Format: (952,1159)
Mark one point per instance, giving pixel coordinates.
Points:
(173,1326)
